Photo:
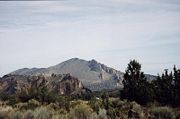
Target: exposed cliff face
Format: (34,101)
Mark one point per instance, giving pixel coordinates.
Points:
(62,84)
(69,85)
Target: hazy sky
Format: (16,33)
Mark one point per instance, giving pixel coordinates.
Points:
(45,33)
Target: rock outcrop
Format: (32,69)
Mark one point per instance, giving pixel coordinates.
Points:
(61,84)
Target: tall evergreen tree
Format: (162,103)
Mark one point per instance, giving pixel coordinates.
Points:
(164,88)
(176,86)
(136,88)
(167,88)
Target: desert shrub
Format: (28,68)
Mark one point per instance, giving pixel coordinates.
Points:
(94,115)
(178,115)
(111,113)
(114,103)
(81,111)
(43,113)
(95,104)
(17,115)
(54,106)
(161,113)
(120,104)
(29,115)
(13,100)
(33,104)
(64,102)
(138,109)
(102,114)
(136,106)
(105,100)
(21,106)
(4,115)
(120,109)
(4,96)
(75,103)
(59,116)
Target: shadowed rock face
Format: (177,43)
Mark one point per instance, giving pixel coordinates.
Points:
(62,84)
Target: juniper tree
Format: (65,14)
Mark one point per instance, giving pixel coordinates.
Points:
(136,87)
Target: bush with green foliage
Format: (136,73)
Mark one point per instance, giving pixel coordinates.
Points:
(33,104)
(29,114)
(17,115)
(81,111)
(4,115)
(105,100)
(43,113)
(102,114)
(95,104)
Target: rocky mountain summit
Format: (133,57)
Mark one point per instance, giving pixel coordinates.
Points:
(61,84)
(94,75)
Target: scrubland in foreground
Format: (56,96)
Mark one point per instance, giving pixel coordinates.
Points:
(96,108)
(139,99)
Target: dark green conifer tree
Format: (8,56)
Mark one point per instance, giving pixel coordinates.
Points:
(176,86)
(136,87)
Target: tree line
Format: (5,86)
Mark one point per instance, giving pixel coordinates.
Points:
(165,89)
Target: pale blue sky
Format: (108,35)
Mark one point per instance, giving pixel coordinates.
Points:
(45,33)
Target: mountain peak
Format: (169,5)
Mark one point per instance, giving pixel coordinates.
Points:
(89,72)
(93,60)
(95,66)
(75,58)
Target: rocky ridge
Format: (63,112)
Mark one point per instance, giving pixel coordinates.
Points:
(61,84)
